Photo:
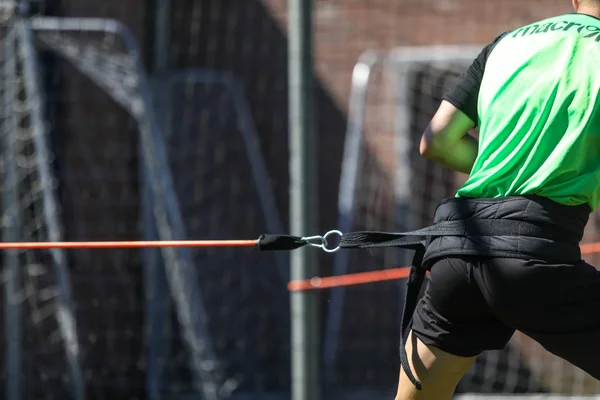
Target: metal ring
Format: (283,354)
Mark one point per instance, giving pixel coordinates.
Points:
(325,244)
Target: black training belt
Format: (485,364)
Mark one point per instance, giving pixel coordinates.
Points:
(418,269)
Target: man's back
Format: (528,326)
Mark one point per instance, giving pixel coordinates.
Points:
(539,114)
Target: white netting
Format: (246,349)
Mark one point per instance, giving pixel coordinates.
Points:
(387,186)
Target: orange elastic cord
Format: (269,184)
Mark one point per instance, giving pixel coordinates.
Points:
(349,280)
(126,244)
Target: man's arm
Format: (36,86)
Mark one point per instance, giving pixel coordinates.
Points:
(446,140)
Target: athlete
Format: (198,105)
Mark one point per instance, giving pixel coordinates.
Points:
(534,94)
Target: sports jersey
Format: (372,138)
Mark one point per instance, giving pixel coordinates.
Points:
(535,94)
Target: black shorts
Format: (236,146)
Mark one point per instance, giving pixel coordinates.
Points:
(476,304)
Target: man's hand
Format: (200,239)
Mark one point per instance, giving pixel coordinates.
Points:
(446,140)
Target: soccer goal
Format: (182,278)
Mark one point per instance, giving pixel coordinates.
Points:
(386,186)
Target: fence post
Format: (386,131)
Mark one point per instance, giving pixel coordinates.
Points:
(304,306)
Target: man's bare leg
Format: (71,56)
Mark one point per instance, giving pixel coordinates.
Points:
(439,372)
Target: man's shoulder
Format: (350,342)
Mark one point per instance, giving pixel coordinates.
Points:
(490,46)
(499,37)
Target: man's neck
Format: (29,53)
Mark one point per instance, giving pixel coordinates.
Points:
(594,11)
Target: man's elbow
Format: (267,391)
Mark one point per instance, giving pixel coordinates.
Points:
(429,149)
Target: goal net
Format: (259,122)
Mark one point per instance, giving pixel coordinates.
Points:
(385,185)
(90,154)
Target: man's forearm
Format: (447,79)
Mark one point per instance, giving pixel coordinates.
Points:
(459,157)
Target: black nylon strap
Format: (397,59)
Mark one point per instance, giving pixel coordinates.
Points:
(416,278)
(500,227)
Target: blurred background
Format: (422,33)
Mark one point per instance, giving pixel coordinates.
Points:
(169,119)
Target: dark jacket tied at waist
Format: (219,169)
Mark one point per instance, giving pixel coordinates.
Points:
(559,229)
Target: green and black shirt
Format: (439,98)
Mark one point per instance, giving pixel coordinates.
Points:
(535,95)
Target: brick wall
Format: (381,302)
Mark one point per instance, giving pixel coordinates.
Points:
(346,28)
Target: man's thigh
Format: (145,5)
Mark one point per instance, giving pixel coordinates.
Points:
(558,305)
(453,315)
(451,326)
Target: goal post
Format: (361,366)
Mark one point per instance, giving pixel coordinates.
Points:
(380,145)
(385,185)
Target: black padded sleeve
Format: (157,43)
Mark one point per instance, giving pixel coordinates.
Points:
(464,93)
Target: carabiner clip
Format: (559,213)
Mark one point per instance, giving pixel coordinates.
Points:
(321,241)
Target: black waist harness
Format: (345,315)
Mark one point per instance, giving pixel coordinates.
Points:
(516,227)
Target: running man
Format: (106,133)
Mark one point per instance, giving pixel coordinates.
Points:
(534,93)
